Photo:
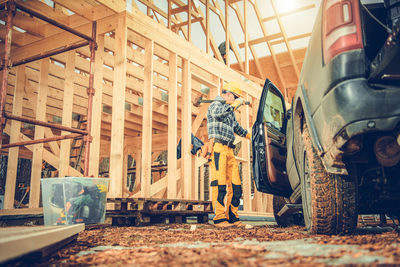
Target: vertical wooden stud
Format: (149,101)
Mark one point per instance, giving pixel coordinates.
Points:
(97,109)
(189,20)
(125,173)
(227,32)
(195,179)
(219,87)
(172,124)
(186,129)
(138,173)
(169,14)
(118,111)
(246,38)
(202,185)
(41,100)
(68,99)
(147,117)
(12,164)
(208,26)
(245,115)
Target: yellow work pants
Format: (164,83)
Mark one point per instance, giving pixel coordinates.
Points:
(225,181)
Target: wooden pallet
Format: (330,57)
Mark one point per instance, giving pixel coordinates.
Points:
(141,211)
(375,220)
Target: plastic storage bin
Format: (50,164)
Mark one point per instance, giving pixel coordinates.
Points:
(73,200)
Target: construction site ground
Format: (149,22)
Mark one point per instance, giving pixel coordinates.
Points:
(194,244)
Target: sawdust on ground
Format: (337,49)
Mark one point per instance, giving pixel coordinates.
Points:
(204,245)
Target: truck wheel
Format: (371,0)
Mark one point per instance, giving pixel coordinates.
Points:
(329,200)
(278,202)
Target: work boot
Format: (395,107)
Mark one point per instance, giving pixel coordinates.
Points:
(223,224)
(239,224)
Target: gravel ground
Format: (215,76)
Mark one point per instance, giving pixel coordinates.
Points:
(204,245)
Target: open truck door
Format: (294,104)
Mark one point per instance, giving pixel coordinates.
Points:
(269,143)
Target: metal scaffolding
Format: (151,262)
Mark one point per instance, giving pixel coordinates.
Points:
(11,7)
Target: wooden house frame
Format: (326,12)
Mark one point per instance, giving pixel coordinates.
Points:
(145,80)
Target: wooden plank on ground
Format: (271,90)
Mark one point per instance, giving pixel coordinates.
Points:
(37,158)
(118,112)
(256,214)
(23,211)
(147,118)
(18,241)
(12,164)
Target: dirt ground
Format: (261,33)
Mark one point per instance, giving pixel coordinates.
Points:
(204,245)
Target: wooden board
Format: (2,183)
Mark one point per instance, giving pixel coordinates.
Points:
(18,241)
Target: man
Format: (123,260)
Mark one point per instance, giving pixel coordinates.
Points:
(222,50)
(225,179)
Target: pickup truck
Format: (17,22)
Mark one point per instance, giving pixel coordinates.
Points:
(335,152)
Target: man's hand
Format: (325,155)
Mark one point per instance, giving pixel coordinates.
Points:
(237,103)
(207,149)
(248,135)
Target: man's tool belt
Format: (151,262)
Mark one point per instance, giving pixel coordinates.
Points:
(225,143)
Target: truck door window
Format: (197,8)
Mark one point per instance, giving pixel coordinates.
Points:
(273,110)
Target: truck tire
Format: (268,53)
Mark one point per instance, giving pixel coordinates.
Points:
(329,200)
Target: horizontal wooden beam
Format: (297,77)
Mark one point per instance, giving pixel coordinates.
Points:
(29,24)
(296,37)
(233,1)
(263,39)
(60,40)
(289,12)
(115,5)
(273,37)
(81,8)
(45,10)
(179,10)
(185,23)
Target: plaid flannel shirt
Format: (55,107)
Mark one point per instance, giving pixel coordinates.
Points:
(222,123)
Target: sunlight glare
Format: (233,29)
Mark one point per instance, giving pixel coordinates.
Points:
(284,6)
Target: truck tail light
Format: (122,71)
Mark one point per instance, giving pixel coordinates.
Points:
(341,27)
